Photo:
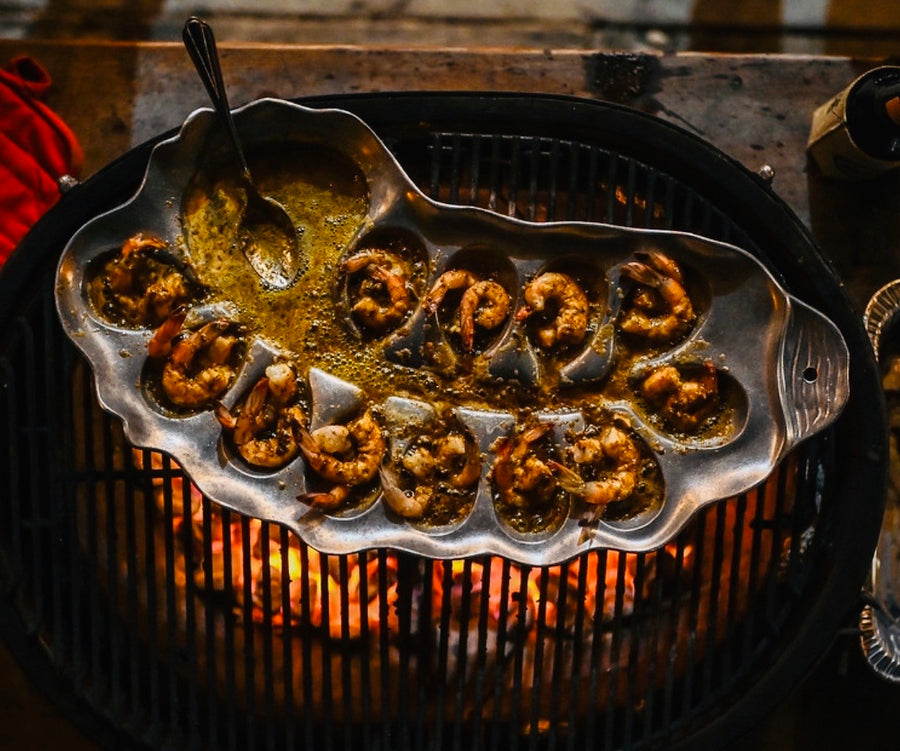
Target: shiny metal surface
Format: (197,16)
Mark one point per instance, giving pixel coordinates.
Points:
(880,621)
(789,362)
(275,258)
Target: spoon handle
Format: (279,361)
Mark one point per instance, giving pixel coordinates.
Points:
(201,46)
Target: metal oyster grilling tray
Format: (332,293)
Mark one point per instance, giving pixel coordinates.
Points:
(786,365)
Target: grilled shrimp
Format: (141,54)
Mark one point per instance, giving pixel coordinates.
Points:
(484,302)
(685,401)
(265,430)
(521,475)
(142,289)
(458,460)
(563,304)
(327,500)
(196,369)
(449,280)
(384,296)
(449,464)
(607,466)
(660,309)
(410,503)
(345,454)
(282,382)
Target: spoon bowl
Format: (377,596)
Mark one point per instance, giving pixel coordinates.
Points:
(268,236)
(269,239)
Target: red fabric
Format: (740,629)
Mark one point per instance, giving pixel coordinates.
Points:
(36,149)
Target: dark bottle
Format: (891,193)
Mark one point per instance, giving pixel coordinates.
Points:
(856,134)
(873,113)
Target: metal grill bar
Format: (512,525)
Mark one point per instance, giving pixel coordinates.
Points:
(288,654)
(557,675)
(384,652)
(209,622)
(461,659)
(170,617)
(482,653)
(307,675)
(149,677)
(326,684)
(714,596)
(670,683)
(596,644)
(443,654)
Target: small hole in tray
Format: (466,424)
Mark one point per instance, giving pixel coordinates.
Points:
(810,374)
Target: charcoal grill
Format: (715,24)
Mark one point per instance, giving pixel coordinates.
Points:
(160,620)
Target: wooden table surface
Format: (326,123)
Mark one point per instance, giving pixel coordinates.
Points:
(756,109)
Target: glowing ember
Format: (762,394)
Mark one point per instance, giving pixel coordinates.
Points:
(384,620)
(323,597)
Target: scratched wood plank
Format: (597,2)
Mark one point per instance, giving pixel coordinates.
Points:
(756,109)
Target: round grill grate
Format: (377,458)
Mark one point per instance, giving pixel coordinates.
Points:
(179,624)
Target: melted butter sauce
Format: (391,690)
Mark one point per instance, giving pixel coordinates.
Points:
(327,198)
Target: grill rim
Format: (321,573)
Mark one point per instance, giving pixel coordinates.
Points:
(853,529)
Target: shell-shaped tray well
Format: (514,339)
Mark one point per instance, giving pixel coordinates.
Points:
(439,379)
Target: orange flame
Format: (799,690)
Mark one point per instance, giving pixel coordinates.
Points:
(327,594)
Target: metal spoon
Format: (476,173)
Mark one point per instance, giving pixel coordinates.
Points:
(267,235)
